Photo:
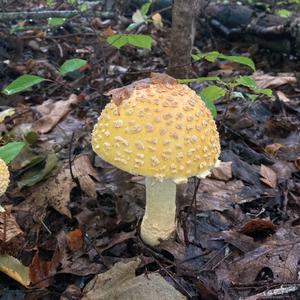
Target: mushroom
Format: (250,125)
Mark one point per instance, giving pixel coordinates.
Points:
(162,130)
(4,177)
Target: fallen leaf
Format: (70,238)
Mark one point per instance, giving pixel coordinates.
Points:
(121,283)
(256,227)
(273,148)
(55,191)
(6,113)
(9,228)
(52,112)
(266,81)
(74,240)
(83,170)
(218,195)
(157,20)
(223,171)
(279,254)
(268,176)
(41,271)
(281,96)
(14,269)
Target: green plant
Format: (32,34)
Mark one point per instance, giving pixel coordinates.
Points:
(222,88)
(24,82)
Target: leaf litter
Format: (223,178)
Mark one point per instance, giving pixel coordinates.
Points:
(73,221)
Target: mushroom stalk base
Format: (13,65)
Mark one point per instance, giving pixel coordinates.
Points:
(160,213)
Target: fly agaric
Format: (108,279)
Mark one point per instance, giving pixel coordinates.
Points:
(162,130)
(4,177)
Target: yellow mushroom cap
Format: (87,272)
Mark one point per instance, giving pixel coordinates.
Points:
(4,177)
(157,127)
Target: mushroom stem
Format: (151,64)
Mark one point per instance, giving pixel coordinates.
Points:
(160,213)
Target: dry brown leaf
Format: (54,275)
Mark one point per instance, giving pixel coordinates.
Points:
(9,228)
(297,163)
(280,254)
(272,149)
(267,81)
(281,96)
(83,170)
(157,20)
(258,226)
(268,176)
(223,171)
(74,240)
(55,191)
(52,112)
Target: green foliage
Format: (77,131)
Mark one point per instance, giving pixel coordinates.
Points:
(71,65)
(283,13)
(140,16)
(251,84)
(212,93)
(9,151)
(34,176)
(137,40)
(199,79)
(22,83)
(214,55)
(26,81)
(56,21)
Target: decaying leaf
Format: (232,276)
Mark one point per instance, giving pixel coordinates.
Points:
(157,20)
(223,171)
(41,271)
(121,283)
(83,170)
(267,81)
(258,226)
(9,228)
(6,113)
(297,163)
(281,96)
(74,240)
(268,176)
(55,191)
(279,254)
(14,269)
(52,112)
(218,195)
(273,148)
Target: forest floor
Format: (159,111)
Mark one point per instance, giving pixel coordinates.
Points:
(238,231)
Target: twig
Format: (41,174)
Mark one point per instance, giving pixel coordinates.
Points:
(70,158)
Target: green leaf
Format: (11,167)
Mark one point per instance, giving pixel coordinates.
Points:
(140,40)
(49,3)
(83,7)
(284,13)
(71,65)
(137,40)
(117,40)
(22,83)
(56,21)
(249,82)
(210,105)
(212,93)
(9,151)
(32,177)
(199,79)
(145,8)
(214,55)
